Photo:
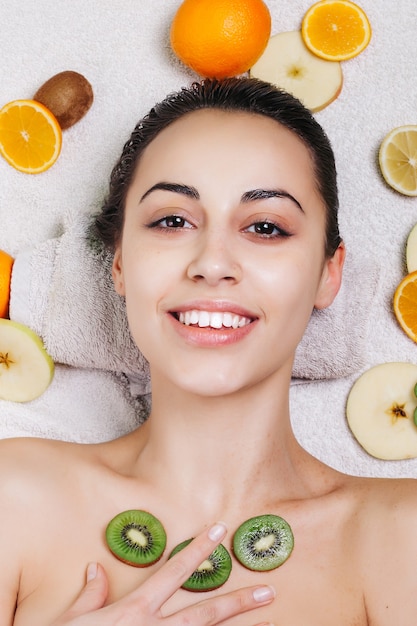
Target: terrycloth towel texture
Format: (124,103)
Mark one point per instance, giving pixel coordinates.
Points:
(63,290)
(122,47)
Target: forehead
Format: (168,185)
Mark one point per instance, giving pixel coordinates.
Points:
(231,148)
(236,128)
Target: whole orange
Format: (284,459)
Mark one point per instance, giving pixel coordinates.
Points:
(220,38)
(6,264)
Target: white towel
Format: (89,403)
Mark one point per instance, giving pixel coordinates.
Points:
(63,290)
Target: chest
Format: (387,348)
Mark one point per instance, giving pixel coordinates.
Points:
(318,585)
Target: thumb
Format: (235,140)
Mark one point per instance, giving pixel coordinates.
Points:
(94,594)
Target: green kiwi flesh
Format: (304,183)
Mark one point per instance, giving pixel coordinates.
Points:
(263,543)
(212,573)
(136,538)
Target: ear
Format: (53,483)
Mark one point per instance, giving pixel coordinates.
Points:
(117,272)
(331,279)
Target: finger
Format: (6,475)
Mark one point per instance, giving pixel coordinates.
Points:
(93,595)
(217,610)
(162,585)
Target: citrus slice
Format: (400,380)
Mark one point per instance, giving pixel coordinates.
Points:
(6,266)
(336,30)
(405,305)
(398,159)
(289,64)
(30,136)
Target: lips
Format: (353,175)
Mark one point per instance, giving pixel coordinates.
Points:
(213,319)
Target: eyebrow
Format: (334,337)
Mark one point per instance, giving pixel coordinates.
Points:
(265,194)
(248,196)
(185,190)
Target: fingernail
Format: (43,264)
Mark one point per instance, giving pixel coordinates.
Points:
(91,571)
(218,531)
(264,594)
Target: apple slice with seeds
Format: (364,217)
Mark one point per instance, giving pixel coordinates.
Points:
(26,369)
(380,411)
(288,63)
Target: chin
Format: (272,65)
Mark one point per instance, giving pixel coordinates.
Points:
(205,383)
(212,389)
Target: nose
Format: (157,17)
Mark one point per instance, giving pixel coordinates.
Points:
(214,260)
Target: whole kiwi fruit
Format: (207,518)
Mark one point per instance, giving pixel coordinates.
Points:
(212,573)
(136,537)
(263,543)
(68,95)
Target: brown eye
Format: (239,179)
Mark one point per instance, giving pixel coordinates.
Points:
(265,228)
(171,222)
(174,221)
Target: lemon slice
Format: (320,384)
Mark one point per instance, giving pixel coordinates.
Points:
(398,159)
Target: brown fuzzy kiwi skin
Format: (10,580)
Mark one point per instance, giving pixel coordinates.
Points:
(68,95)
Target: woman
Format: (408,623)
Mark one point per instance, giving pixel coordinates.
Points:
(222,216)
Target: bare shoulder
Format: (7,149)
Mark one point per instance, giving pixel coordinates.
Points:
(26,456)
(382,503)
(31,472)
(31,469)
(383,524)
(391,496)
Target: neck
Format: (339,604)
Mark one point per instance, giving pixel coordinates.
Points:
(216,451)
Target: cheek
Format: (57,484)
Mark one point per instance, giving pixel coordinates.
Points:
(140,286)
(288,294)
(292,279)
(148,278)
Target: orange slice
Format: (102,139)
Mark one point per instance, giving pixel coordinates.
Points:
(398,159)
(30,136)
(405,305)
(6,266)
(336,30)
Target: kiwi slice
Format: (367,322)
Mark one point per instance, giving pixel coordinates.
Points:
(212,573)
(136,538)
(263,543)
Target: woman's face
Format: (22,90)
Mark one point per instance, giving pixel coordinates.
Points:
(221,258)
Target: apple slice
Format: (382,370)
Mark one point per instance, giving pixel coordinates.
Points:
(26,369)
(380,411)
(288,63)
(411,250)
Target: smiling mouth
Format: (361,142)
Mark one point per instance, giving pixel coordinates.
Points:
(212,319)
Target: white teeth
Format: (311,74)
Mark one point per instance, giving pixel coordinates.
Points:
(193,317)
(203,319)
(215,319)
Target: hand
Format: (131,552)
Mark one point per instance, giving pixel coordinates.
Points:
(143,607)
